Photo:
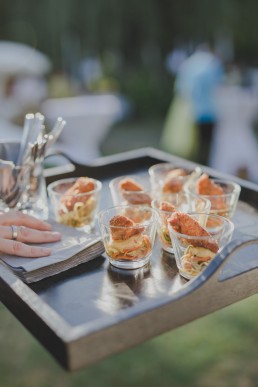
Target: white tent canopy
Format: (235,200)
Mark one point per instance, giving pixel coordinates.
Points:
(17,58)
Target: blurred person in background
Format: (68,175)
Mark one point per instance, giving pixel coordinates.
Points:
(90,71)
(175,59)
(191,118)
(197,80)
(235,147)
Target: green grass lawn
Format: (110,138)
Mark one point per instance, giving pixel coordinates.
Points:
(215,351)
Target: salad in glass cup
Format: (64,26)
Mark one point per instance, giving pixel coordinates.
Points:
(75,201)
(128,244)
(197,238)
(168,204)
(223,194)
(130,190)
(167,178)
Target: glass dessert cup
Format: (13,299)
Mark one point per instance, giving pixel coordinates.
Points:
(222,204)
(181,202)
(130,190)
(194,253)
(169,178)
(75,207)
(128,244)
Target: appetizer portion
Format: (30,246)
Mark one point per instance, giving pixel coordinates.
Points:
(166,206)
(165,210)
(222,194)
(128,244)
(196,246)
(186,225)
(206,186)
(173,182)
(134,193)
(168,178)
(78,203)
(127,241)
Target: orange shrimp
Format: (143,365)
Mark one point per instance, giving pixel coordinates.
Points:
(129,187)
(82,185)
(128,184)
(123,228)
(205,186)
(166,206)
(184,224)
(173,182)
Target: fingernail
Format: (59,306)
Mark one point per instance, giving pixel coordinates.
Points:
(46,251)
(56,233)
(48,226)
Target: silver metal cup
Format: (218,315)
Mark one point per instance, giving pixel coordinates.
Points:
(22,187)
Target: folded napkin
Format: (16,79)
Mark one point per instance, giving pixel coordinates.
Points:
(74,248)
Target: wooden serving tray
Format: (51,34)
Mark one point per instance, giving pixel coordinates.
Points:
(95,310)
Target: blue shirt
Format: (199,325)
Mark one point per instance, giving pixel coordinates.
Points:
(197,80)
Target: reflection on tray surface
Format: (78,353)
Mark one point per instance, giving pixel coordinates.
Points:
(124,288)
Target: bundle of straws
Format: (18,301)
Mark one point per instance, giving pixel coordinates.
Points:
(35,143)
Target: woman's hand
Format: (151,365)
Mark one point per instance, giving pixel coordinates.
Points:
(18,229)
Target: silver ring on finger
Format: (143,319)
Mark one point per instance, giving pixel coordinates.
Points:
(14,232)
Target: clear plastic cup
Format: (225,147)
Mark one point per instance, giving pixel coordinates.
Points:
(222,204)
(181,202)
(194,253)
(124,190)
(74,207)
(128,244)
(167,178)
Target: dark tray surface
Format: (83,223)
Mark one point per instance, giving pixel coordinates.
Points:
(97,290)
(73,313)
